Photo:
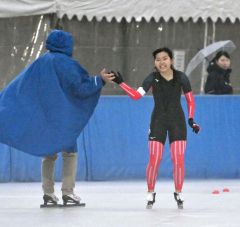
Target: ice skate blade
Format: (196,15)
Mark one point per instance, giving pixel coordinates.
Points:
(73,205)
(149,207)
(62,205)
(180,206)
(50,205)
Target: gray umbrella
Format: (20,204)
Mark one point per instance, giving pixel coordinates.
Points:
(208,53)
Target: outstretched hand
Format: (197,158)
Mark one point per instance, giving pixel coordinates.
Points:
(118,77)
(107,77)
(195,127)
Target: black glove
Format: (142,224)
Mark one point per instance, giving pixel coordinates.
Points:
(118,77)
(193,125)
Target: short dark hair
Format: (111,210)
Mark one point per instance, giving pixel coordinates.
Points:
(220,54)
(162,49)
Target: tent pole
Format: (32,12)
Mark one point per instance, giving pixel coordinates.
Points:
(213,32)
(204,61)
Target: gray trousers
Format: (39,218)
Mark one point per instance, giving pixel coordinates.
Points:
(69,167)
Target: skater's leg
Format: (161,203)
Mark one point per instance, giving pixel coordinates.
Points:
(48,165)
(155,156)
(69,172)
(177,154)
(68,178)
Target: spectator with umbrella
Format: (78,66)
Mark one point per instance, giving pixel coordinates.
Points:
(206,55)
(218,80)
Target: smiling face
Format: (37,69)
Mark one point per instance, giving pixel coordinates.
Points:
(224,62)
(163,62)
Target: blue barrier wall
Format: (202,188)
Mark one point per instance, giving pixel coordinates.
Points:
(113,146)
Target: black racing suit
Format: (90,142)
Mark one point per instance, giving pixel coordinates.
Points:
(167,115)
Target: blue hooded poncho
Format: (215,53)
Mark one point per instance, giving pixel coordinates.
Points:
(46,107)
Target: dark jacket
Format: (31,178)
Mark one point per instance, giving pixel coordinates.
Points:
(218,80)
(46,107)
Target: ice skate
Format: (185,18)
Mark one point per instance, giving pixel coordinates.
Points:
(50,200)
(72,200)
(150,199)
(179,199)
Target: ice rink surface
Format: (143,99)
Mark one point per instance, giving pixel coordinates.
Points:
(123,204)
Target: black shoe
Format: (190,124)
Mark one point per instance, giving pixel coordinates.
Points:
(150,199)
(179,200)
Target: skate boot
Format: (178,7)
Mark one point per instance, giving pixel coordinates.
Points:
(50,200)
(150,199)
(72,200)
(179,199)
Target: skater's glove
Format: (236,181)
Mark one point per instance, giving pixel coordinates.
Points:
(118,77)
(193,125)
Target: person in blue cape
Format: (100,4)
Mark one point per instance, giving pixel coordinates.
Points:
(43,110)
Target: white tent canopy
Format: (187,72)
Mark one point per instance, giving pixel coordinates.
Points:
(15,8)
(138,9)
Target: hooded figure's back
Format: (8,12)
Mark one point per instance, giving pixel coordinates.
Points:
(45,108)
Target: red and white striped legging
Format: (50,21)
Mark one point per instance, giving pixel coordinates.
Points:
(177,149)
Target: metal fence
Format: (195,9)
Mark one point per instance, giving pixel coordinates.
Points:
(122,46)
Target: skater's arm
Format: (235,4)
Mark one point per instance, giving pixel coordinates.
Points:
(187,90)
(191,106)
(190,102)
(131,92)
(87,87)
(77,81)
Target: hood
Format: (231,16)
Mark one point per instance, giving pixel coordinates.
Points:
(60,41)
